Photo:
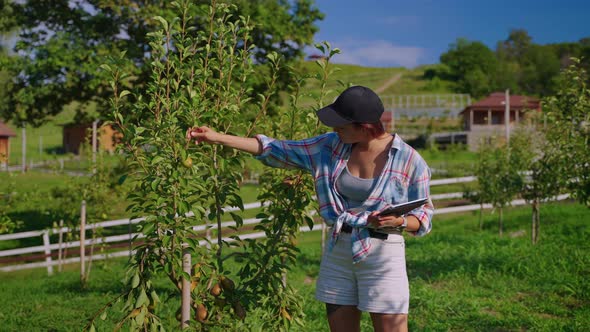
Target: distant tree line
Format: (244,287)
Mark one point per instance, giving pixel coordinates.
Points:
(517,64)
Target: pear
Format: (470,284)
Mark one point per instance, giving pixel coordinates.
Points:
(215,290)
(201,313)
(227,283)
(188,162)
(239,310)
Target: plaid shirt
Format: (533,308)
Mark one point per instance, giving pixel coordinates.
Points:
(405,177)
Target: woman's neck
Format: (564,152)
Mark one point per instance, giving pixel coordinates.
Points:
(375,143)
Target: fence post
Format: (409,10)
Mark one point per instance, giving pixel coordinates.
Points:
(24,147)
(47,252)
(59,250)
(82,242)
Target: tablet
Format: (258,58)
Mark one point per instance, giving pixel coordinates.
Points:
(403,208)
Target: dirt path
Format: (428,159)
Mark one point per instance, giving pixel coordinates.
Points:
(389,83)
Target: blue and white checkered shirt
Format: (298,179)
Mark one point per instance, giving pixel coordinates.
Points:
(405,177)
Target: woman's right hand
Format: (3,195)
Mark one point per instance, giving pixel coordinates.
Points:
(202,134)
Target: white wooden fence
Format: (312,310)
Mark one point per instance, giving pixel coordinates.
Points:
(47,248)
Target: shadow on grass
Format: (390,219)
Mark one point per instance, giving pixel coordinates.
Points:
(55,150)
(309,263)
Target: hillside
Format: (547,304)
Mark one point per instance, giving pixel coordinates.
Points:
(45,142)
(409,82)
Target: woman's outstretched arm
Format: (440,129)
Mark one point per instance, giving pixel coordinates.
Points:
(208,135)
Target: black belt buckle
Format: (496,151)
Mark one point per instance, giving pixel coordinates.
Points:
(346,228)
(372,233)
(378,235)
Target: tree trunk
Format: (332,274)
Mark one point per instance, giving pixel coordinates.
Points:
(500,221)
(535,225)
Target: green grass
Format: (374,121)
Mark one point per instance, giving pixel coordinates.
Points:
(461,279)
(31,181)
(456,162)
(413,82)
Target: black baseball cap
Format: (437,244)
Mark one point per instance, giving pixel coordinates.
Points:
(357,104)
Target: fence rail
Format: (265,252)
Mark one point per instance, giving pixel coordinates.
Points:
(48,248)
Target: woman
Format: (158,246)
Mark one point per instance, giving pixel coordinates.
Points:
(358,170)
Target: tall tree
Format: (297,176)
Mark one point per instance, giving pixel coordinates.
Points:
(62,43)
(471,64)
(540,68)
(517,44)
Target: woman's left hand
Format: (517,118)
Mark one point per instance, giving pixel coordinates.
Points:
(386,221)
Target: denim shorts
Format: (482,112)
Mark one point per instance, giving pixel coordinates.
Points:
(377,284)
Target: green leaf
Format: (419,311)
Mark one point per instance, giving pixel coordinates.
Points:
(122,179)
(183,207)
(148,228)
(155,297)
(157,159)
(320,47)
(309,222)
(162,21)
(261,215)
(185,275)
(124,93)
(142,299)
(334,51)
(155,183)
(139,318)
(106,67)
(237,218)
(135,280)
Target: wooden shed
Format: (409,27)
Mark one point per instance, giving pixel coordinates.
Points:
(486,117)
(5,134)
(75,134)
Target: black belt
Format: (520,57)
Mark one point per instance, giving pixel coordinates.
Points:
(346,228)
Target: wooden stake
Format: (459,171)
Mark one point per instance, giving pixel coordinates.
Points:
(186,288)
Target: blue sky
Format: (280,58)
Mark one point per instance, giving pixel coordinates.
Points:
(392,33)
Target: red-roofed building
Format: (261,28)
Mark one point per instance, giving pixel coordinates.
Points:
(486,117)
(5,134)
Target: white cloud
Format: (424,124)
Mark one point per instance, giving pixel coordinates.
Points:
(377,53)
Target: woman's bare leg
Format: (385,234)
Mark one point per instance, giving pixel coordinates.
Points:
(389,322)
(343,318)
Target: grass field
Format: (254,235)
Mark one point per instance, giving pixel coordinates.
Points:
(462,279)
